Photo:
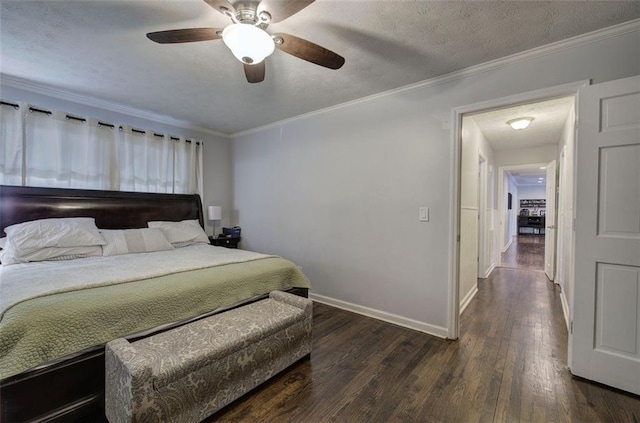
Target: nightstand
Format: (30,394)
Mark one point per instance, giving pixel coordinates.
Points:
(225,242)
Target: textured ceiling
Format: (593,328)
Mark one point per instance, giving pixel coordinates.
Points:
(98,48)
(549,118)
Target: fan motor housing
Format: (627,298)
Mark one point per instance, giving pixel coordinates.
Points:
(247,13)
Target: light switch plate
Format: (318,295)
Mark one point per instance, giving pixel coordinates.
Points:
(424,214)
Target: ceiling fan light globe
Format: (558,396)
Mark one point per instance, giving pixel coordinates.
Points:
(248,43)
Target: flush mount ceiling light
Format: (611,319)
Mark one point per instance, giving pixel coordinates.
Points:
(520,123)
(248,43)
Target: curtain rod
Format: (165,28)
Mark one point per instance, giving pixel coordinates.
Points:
(79,119)
(69,117)
(138,131)
(142,132)
(46,112)
(15,106)
(171,138)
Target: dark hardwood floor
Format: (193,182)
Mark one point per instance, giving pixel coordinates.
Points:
(525,252)
(509,365)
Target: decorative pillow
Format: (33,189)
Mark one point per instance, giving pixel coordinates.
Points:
(134,241)
(181,234)
(29,237)
(8,255)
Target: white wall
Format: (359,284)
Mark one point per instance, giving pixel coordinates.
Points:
(338,192)
(532,192)
(218,181)
(217,150)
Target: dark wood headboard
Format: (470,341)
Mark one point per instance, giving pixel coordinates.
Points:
(111,209)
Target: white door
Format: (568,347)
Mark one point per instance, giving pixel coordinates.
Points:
(606,308)
(550,223)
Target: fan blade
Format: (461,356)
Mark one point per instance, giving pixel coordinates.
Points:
(185,35)
(222,6)
(306,50)
(282,9)
(254,73)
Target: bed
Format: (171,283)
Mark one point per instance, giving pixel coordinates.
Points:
(66,378)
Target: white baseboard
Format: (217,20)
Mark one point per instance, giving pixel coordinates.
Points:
(506,247)
(467,298)
(488,272)
(434,330)
(565,309)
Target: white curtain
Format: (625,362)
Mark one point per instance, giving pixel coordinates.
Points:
(70,153)
(54,149)
(11,145)
(146,161)
(184,166)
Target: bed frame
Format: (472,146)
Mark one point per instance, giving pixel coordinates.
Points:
(72,388)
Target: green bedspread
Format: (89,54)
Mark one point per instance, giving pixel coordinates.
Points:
(49,327)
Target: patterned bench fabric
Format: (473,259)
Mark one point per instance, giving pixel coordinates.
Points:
(188,373)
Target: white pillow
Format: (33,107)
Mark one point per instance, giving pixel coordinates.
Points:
(28,237)
(134,241)
(8,255)
(181,234)
(3,241)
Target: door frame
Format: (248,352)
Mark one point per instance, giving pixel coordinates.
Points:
(483,170)
(551,228)
(502,205)
(453,318)
(505,215)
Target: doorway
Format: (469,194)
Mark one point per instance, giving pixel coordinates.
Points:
(495,219)
(525,223)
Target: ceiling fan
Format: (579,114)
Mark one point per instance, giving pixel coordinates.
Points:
(248,39)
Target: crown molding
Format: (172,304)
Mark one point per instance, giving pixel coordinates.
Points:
(58,93)
(558,46)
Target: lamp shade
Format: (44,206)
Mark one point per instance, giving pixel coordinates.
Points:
(214,213)
(248,43)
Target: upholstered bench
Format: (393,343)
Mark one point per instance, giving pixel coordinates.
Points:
(190,372)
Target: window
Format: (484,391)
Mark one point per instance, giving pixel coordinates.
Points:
(54,149)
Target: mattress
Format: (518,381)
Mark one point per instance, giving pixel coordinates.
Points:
(80,306)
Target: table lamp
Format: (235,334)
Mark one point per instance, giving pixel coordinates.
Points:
(214,213)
